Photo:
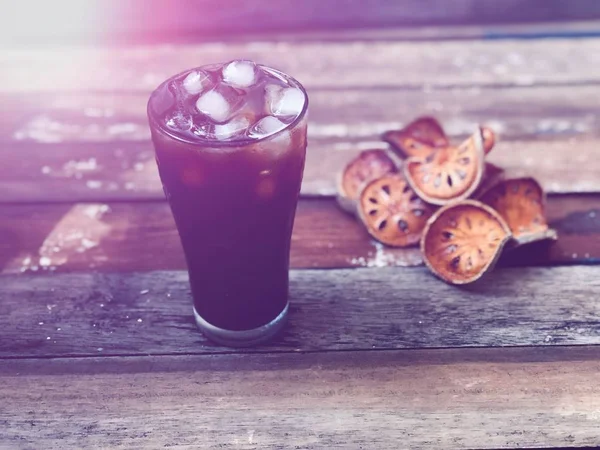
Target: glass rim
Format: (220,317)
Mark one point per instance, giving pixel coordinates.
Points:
(155,125)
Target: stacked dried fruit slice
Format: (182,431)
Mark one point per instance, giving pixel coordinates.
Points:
(368,165)
(462,240)
(492,175)
(418,139)
(391,211)
(448,173)
(521,203)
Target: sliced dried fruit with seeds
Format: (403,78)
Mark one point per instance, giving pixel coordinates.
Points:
(462,241)
(449,173)
(391,211)
(419,138)
(368,165)
(521,203)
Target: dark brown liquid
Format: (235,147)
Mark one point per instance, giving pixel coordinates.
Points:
(234,209)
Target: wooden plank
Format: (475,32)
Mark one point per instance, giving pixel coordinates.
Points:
(530,30)
(143,237)
(78,172)
(95,147)
(450,399)
(334,113)
(386,308)
(316,64)
(110,171)
(127,237)
(114,20)
(588,28)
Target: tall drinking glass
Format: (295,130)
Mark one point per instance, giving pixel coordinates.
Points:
(230,143)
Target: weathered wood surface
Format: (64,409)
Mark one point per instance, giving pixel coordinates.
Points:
(530,30)
(155,20)
(128,237)
(515,112)
(317,64)
(94,147)
(544,29)
(98,356)
(127,171)
(151,313)
(450,399)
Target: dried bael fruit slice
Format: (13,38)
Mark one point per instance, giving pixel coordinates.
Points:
(392,213)
(489,139)
(462,241)
(492,175)
(449,173)
(368,165)
(521,203)
(418,138)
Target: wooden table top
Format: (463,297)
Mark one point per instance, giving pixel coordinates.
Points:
(98,347)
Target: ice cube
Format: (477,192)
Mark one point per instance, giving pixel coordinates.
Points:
(179,121)
(195,82)
(229,129)
(207,129)
(274,145)
(240,73)
(219,104)
(214,105)
(272,89)
(272,95)
(266,126)
(203,127)
(284,102)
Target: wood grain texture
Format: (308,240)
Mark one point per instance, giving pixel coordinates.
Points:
(95,147)
(151,313)
(141,237)
(33,173)
(359,113)
(316,64)
(530,30)
(544,29)
(154,20)
(450,399)
(111,358)
(128,237)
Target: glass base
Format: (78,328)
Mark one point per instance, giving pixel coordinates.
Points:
(245,338)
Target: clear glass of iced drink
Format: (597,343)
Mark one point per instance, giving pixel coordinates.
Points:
(230,142)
